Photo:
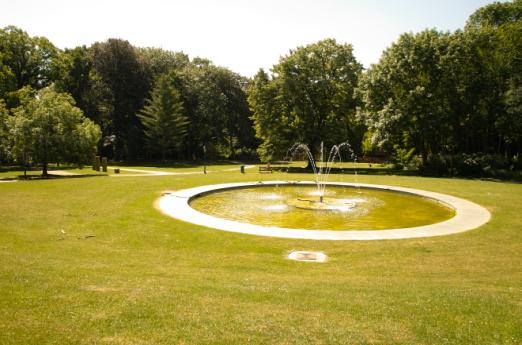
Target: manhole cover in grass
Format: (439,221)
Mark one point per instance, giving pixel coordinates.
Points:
(307,256)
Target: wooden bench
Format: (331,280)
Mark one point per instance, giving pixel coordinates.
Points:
(266,170)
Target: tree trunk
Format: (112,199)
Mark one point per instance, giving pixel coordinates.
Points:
(424,155)
(44,162)
(25,166)
(231,146)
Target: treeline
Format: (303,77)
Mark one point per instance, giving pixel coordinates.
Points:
(433,100)
(149,103)
(450,97)
(445,103)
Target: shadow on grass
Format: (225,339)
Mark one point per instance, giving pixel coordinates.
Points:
(362,171)
(56,177)
(175,164)
(35,173)
(515,177)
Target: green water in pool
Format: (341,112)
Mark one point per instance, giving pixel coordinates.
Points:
(343,207)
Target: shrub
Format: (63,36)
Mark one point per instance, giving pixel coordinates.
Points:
(467,164)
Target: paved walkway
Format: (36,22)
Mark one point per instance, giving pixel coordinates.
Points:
(63,173)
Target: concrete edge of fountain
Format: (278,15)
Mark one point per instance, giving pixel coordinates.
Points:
(468,215)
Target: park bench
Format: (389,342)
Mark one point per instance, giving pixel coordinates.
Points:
(265,169)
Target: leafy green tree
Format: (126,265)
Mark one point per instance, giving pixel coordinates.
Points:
(222,100)
(162,61)
(310,97)
(26,61)
(91,94)
(125,73)
(450,93)
(77,80)
(47,127)
(7,79)
(272,126)
(164,123)
(496,14)
(468,90)
(404,104)
(497,29)
(238,133)
(3,131)
(214,100)
(509,56)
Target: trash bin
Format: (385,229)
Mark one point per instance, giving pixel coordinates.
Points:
(242,169)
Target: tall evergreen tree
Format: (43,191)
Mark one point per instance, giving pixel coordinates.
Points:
(163,119)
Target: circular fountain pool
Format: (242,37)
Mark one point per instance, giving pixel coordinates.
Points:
(343,207)
(346,212)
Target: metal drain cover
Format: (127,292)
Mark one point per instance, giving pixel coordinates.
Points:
(307,256)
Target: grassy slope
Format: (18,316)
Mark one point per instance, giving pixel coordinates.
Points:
(148,279)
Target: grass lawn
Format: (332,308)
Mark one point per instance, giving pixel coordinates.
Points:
(90,261)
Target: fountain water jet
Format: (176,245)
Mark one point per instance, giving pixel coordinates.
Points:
(321,173)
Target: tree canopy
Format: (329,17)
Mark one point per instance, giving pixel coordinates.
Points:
(26,61)
(164,122)
(403,94)
(47,127)
(438,93)
(309,98)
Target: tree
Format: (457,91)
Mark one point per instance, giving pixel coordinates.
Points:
(222,100)
(214,100)
(403,95)
(467,84)
(77,76)
(441,93)
(239,134)
(47,127)
(126,76)
(509,55)
(7,78)
(496,14)
(499,27)
(91,94)
(271,125)
(162,61)
(164,123)
(309,98)
(3,131)
(27,61)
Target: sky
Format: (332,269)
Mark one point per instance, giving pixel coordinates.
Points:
(242,35)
